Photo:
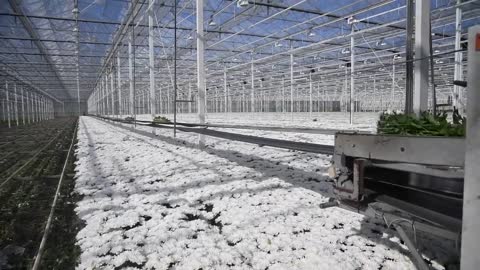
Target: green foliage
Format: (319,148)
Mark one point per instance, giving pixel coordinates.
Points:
(425,125)
(161,120)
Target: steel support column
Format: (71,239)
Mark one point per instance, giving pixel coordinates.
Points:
(151,58)
(29,110)
(252,100)
(457,72)
(291,85)
(471,194)
(119,87)
(112,90)
(421,65)
(130,73)
(311,100)
(225,90)
(392,102)
(409,58)
(16,102)
(8,104)
(23,107)
(200,69)
(352,74)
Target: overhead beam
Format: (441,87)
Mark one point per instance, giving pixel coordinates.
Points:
(29,27)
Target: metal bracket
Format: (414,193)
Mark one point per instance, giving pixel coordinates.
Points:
(358,182)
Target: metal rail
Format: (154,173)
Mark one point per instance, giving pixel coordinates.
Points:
(277,143)
(324,131)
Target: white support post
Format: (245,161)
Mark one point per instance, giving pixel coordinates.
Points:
(23,107)
(200,69)
(16,102)
(37,111)
(458,72)
(4,117)
(190,97)
(40,108)
(44,106)
(352,74)
(392,102)
(324,100)
(34,107)
(252,100)
(130,73)
(151,57)
(422,52)
(8,104)
(119,87)
(107,93)
(29,110)
(311,98)
(143,106)
(291,85)
(471,190)
(374,94)
(40,104)
(112,91)
(283,95)
(225,90)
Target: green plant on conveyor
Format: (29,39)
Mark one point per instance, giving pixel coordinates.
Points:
(161,120)
(426,124)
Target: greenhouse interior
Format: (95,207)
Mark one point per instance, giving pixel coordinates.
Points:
(240,134)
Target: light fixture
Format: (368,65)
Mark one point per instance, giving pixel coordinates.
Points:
(310,33)
(381,42)
(439,61)
(212,22)
(436,51)
(242,3)
(396,56)
(278,44)
(345,51)
(190,37)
